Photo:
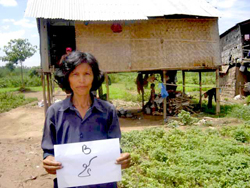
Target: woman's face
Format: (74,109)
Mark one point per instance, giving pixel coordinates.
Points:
(81,79)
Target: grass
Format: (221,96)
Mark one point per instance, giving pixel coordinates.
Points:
(10,100)
(191,158)
(3,90)
(121,91)
(194,87)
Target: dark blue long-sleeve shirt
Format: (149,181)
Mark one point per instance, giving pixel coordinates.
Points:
(64,124)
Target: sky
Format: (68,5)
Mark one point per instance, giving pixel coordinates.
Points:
(14,25)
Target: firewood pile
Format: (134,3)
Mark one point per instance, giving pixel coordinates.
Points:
(179,102)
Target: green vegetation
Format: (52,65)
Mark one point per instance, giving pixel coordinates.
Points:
(11,79)
(234,110)
(186,118)
(17,51)
(2,90)
(123,85)
(193,158)
(11,100)
(248,99)
(192,79)
(241,112)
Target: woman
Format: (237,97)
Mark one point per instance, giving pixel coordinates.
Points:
(80,117)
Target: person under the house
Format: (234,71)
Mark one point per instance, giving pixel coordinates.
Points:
(73,119)
(64,57)
(210,94)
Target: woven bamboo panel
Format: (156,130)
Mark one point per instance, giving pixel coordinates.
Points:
(154,44)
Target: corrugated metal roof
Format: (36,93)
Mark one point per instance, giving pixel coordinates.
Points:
(103,10)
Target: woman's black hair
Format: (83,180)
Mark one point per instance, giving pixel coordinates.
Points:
(71,62)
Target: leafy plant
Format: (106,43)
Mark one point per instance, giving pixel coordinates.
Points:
(173,124)
(186,118)
(241,135)
(9,101)
(248,99)
(193,158)
(241,112)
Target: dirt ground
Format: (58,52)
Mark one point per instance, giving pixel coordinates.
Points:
(20,138)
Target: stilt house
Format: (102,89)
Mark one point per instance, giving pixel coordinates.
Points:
(129,35)
(235,53)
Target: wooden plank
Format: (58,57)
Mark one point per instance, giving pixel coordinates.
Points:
(44,45)
(107,85)
(183,82)
(51,87)
(48,89)
(217,92)
(44,93)
(200,89)
(100,91)
(165,99)
(142,93)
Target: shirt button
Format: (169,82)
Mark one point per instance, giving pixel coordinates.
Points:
(81,135)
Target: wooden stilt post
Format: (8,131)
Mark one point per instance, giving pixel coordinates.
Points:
(240,90)
(107,85)
(44,93)
(48,89)
(142,93)
(51,87)
(200,89)
(183,82)
(100,91)
(217,92)
(165,99)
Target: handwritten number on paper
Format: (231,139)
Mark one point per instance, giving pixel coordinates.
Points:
(86,171)
(86,150)
(85,168)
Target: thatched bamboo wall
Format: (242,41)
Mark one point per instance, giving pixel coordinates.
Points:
(152,44)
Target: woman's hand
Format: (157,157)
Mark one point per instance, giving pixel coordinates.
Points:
(124,160)
(51,165)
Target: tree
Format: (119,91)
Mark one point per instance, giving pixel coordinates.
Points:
(17,51)
(10,66)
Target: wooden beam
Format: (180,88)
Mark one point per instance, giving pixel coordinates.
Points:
(200,89)
(217,92)
(183,82)
(165,99)
(100,91)
(44,45)
(48,89)
(107,85)
(142,93)
(44,93)
(51,87)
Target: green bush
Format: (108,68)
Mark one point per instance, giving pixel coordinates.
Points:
(239,133)
(9,101)
(248,99)
(241,112)
(186,118)
(15,81)
(33,72)
(173,124)
(193,158)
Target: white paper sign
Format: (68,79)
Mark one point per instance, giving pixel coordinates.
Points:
(88,163)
